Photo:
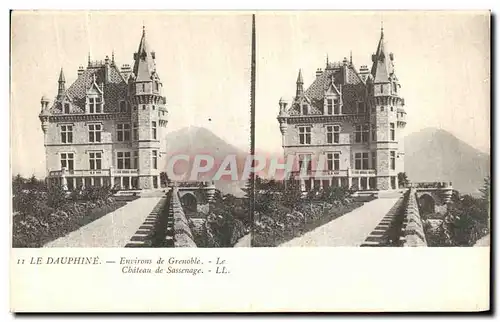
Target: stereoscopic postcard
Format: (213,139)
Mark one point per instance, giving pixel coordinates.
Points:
(287,161)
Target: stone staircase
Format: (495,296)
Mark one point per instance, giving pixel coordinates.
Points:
(382,235)
(144,236)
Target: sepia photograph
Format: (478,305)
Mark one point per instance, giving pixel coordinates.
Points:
(309,158)
(120,123)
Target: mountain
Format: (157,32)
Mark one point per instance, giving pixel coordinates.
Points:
(192,141)
(437,155)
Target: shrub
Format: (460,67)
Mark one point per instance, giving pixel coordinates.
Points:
(96,194)
(337,195)
(56,196)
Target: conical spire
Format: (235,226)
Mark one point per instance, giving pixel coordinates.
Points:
(300,84)
(144,63)
(299,77)
(62,84)
(62,79)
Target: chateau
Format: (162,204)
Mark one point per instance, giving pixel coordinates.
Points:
(353,120)
(107,128)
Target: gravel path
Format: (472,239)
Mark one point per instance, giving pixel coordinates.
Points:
(112,230)
(348,230)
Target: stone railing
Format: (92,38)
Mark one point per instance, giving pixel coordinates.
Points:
(412,229)
(431,185)
(178,228)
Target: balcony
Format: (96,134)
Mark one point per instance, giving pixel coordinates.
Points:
(320,173)
(93,173)
(363,173)
(80,173)
(337,173)
(124,171)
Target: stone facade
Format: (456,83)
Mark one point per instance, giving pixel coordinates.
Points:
(108,127)
(352,120)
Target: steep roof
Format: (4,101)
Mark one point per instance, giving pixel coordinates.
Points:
(114,90)
(349,85)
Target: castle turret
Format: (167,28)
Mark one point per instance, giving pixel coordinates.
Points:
(149,115)
(387,138)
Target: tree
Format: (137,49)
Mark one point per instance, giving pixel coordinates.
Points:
(465,222)
(485,192)
(403,179)
(17,184)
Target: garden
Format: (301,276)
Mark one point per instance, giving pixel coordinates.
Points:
(229,220)
(466,221)
(44,213)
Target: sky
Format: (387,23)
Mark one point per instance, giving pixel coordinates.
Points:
(203,59)
(442,60)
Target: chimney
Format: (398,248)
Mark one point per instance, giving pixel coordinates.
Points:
(319,72)
(363,72)
(80,70)
(125,71)
(344,70)
(106,70)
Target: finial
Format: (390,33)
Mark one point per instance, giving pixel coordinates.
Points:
(143,29)
(327,60)
(113,56)
(350,57)
(299,77)
(382,28)
(61,76)
(89,59)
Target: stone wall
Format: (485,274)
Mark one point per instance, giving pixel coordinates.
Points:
(412,231)
(183,236)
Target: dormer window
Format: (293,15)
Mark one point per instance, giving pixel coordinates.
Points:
(336,106)
(95,105)
(66,108)
(305,109)
(329,106)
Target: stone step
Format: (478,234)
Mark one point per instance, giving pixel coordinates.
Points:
(370,243)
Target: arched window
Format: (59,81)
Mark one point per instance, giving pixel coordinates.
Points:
(66,108)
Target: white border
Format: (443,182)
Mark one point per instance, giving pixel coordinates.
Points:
(240,5)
